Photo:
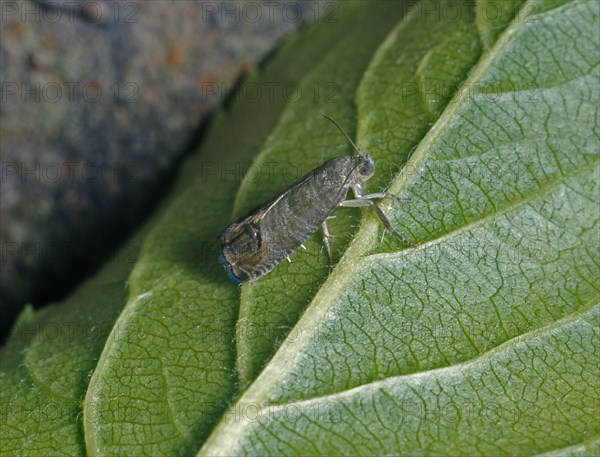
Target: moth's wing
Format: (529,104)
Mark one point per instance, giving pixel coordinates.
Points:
(290,218)
(253,245)
(347,168)
(244,254)
(258,213)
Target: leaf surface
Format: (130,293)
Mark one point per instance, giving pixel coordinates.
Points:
(482,340)
(160,390)
(47,362)
(485,336)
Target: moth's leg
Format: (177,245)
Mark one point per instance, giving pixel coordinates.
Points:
(358,202)
(356,189)
(377,195)
(326,241)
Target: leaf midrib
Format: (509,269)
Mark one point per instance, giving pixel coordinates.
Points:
(571,449)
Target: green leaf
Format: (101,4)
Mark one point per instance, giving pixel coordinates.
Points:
(269,308)
(161,388)
(485,337)
(482,340)
(46,365)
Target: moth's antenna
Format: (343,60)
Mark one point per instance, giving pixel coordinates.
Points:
(358,150)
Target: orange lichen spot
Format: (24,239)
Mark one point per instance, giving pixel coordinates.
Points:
(16,28)
(207,79)
(49,43)
(175,56)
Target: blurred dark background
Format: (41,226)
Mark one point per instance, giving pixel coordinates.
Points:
(99,102)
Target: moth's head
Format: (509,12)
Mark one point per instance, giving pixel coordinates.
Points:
(366,166)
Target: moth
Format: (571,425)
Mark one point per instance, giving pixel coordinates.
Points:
(253,245)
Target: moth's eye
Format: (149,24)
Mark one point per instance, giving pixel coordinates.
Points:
(367,168)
